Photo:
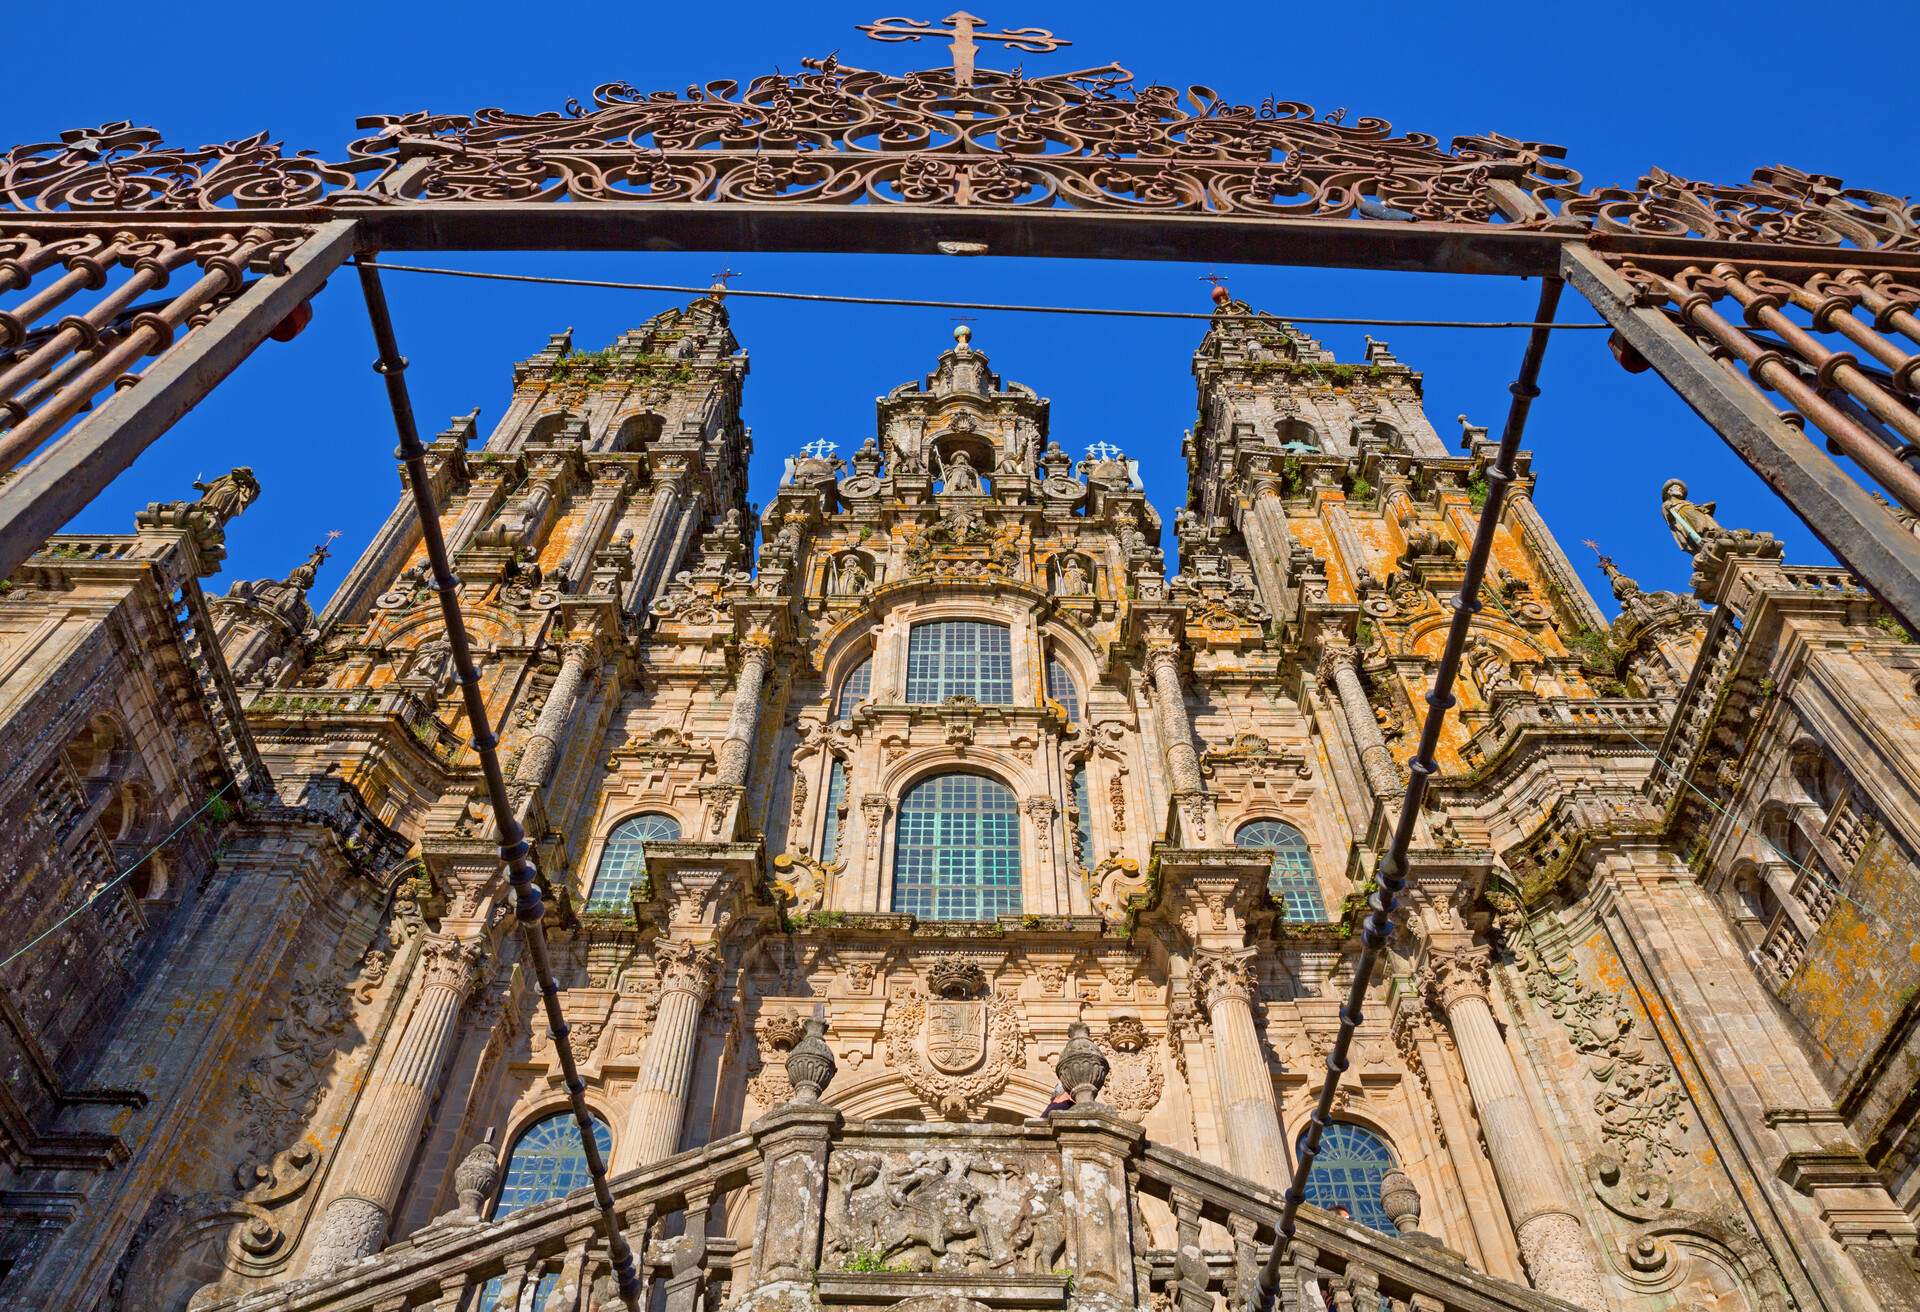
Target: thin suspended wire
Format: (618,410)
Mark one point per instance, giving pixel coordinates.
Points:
(1108,312)
(113,883)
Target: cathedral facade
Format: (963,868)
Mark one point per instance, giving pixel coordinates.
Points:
(953,898)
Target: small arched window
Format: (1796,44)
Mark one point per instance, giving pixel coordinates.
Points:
(1347,1173)
(854,689)
(623,860)
(1060,687)
(548,1161)
(1290,878)
(957,849)
(960,658)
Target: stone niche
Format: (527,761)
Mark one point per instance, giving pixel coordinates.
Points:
(944,1203)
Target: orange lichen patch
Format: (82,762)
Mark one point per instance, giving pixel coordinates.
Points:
(1315,537)
(1856,977)
(559,542)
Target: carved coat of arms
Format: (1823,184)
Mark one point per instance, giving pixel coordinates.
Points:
(955,1055)
(955,1035)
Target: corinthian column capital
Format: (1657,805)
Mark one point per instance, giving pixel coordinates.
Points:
(1337,658)
(687,967)
(1453,975)
(1223,976)
(449,963)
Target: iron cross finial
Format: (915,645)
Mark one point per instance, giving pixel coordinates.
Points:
(720,279)
(1104,450)
(819,448)
(963,30)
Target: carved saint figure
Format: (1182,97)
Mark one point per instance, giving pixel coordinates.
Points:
(1074,581)
(958,474)
(1491,672)
(227,495)
(854,579)
(1691,523)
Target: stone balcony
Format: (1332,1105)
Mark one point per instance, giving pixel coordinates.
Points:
(1078,1211)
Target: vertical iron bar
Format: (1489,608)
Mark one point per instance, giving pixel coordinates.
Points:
(515,852)
(1390,874)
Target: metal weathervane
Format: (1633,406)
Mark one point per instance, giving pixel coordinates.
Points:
(963,31)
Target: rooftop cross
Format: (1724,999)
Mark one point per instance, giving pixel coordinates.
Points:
(1104,451)
(962,29)
(720,280)
(819,449)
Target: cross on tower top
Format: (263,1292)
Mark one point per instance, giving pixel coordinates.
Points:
(1104,451)
(819,449)
(719,287)
(963,30)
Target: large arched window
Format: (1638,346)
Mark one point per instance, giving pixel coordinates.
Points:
(957,849)
(623,862)
(960,658)
(1290,879)
(1347,1173)
(854,689)
(548,1161)
(1060,687)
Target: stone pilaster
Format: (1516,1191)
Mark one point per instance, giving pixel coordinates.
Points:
(651,1131)
(1162,642)
(1559,1253)
(386,1127)
(603,507)
(1094,1147)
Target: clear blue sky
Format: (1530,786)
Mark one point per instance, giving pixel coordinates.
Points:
(1623,87)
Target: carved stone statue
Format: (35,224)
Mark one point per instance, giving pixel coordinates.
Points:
(226,496)
(958,474)
(1491,671)
(1074,580)
(1691,523)
(854,580)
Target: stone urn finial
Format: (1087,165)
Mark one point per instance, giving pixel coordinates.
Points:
(474,1178)
(810,1065)
(1400,1200)
(1082,1067)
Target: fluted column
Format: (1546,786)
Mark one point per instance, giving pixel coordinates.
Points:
(688,972)
(386,1125)
(543,744)
(736,749)
(1223,984)
(1340,668)
(483,494)
(1554,1243)
(609,489)
(1170,711)
(1264,526)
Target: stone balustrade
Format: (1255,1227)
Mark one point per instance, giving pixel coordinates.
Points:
(1077,1211)
(1644,718)
(412,711)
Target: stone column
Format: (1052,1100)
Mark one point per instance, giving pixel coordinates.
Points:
(651,1131)
(1170,709)
(609,488)
(1554,1243)
(1552,561)
(537,757)
(743,719)
(386,1126)
(1223,984)
(1340,669)
(483,493)
(661,507)
(1264,526)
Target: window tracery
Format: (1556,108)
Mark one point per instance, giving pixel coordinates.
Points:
(1348,1173)
(1290,878)
(854,689)
(957,849)
(623,860)
(548,1161)
(960,658)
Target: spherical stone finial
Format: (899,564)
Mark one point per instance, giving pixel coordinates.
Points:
(1401,1200)
(1220,295)
(810,1065)
(962,335)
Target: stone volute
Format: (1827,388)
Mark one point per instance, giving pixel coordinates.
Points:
(1082,1067)
(810,1064)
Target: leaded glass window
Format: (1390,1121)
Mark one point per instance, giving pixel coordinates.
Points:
(1082,816)
(548,1161)
(836,799)
(623,862)
(957,849)
(960,658)
(853,689)
(533,1296)
(1347,1173)
(1290,878)
(1060,687)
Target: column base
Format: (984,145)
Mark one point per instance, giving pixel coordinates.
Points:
(1559,1256)
(350,1229)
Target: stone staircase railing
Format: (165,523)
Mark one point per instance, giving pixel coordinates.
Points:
(1077,1211)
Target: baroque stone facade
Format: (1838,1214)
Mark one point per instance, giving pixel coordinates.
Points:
(865,846)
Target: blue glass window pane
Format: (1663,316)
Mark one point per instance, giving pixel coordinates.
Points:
(836,799)
(548,1161)
(622,862)
(1290,879)
(1083,815)
(957,850)
(531,1299)
(1347,1173)
(1060,687)
(960,658)
(854,689)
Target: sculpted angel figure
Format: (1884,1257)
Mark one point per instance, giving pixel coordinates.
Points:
(1691,523)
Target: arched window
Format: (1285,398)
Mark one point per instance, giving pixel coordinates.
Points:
(836,802)
(957,849)
(623,860)
(1060,687)
(1347,1174)
(960,658)
(548,1161)
(1290,879)
(854,689)
(1082,817)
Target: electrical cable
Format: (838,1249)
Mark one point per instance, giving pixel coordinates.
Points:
(982,306)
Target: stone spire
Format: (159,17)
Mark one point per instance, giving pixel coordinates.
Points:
(1624,588)
(302,577)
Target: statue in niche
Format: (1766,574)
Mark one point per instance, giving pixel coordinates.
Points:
(1691,523)
(853,580)
(1073,579)
(958,474)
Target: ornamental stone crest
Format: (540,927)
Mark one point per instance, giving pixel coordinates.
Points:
(954,1054)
